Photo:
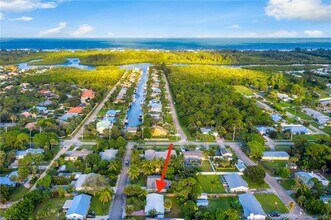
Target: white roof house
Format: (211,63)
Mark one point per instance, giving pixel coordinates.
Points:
(155,201)
(276,118)
(226,152)
(307,178)
(236,183)
(151,154)
(319,117)
(22,153)
(108,154)
(275,155)
(103,125)
(240,165)
(155,105)
(74,155)
(296,128)
(252,208)
(79,207)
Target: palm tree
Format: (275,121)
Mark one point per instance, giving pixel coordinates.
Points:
(167,204)
(133,172)
(291,206)
(105,195)
(13,118)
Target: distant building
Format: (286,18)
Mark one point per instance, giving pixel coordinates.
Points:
(197,155)
(264,129)
(275,155)
(276,117)
(87,95)
(108,154)
(151,154)
(251,207)
(76,110)
(325,199)
(78,207)
(319,117)
(307,178)
(101,126)
(74,155)
(151,183)
(296,129)
(235,183)
(67,116)
(284,97)
(155,201)
(155,105)
(22,153)
(202,200)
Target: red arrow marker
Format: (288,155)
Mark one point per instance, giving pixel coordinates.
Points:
(160,184)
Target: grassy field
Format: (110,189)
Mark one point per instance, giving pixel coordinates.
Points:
(275,164)
(98,207)
(51,209)
(282,148)
(206,167)
(243,90)
(222,203)
(271,203)
(18,193)
(175,210)
(327,130)
(288,184)
(252,185)
(206,183)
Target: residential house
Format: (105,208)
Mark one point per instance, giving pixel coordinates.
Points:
(307,178)
(155,105)
(79,184)
(87,95)
(202,200)
(240,165)
(319,117)
(205,130)
(235,183)
(120,96)
(78,207)
(155,201)
(108,154)
(22,153)
(226,152)
(151,154)
(276,118)
(275,155)
(325,199)
(67,116)
(296,129)
(251,207)
(198,155)
(75,110)
(284,97)
(102,125)
(264,129)
(74,155)
(151,183)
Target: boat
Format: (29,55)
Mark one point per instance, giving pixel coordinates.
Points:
(140,117)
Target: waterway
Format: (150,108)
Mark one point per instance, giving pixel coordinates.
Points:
(71,62)
(136,107)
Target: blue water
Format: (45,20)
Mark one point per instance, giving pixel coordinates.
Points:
(171,44)
(136,107)
(71,62)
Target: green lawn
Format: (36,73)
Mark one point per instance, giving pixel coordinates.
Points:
(51,208)
(221,203)
(327,129)
(141,181)
(275,164)
(253,185)
(175,211)
(98,207)
(268,203)
(205,182)
(206,167)
(299,114)
(284,104)
(282,148)
(243,90)
(18,193)
(288,184)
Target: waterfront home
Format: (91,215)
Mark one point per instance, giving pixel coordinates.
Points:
(155,201)
(275,155)
(111,113)
(87,95)
(151,154)
(251,207)
(78,207)
(20,154)
(155,105)
(120,96)
(74,155)
(151,183)
(235,183)
(102,125)
(108,154)
(307,178)
(319,117)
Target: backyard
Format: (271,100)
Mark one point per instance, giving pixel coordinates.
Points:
(271,203)
(243,90)
(206,167)
(51,208)
(18,193)
(288,184)
(98,207)
(253,185)
(211,183)
(175,210)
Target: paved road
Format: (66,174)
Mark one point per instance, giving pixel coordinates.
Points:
(173,111)
(272,182)
(117,205)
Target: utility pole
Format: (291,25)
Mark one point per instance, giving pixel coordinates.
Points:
(83,133)
(234,133)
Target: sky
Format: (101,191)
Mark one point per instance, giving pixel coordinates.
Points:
(165,19)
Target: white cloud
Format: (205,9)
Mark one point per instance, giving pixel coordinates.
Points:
(311,10)
(82,30)
(234,26)
(26,5)
(110,34)
(275,34)
(2,16)
(23,18)
(314,33)
(54,31)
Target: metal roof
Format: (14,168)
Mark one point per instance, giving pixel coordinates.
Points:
(80,205)
(250,205)
(234,181)
(275,154)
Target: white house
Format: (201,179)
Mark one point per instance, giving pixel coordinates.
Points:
(78,207)
(151,154)
(251,207)
(108,154)
(74,155)
(307,178)
(155,201)
(22,153)
(235,183)
(319,117)
(275,155)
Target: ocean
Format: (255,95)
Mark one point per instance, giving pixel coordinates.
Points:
(167,43)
